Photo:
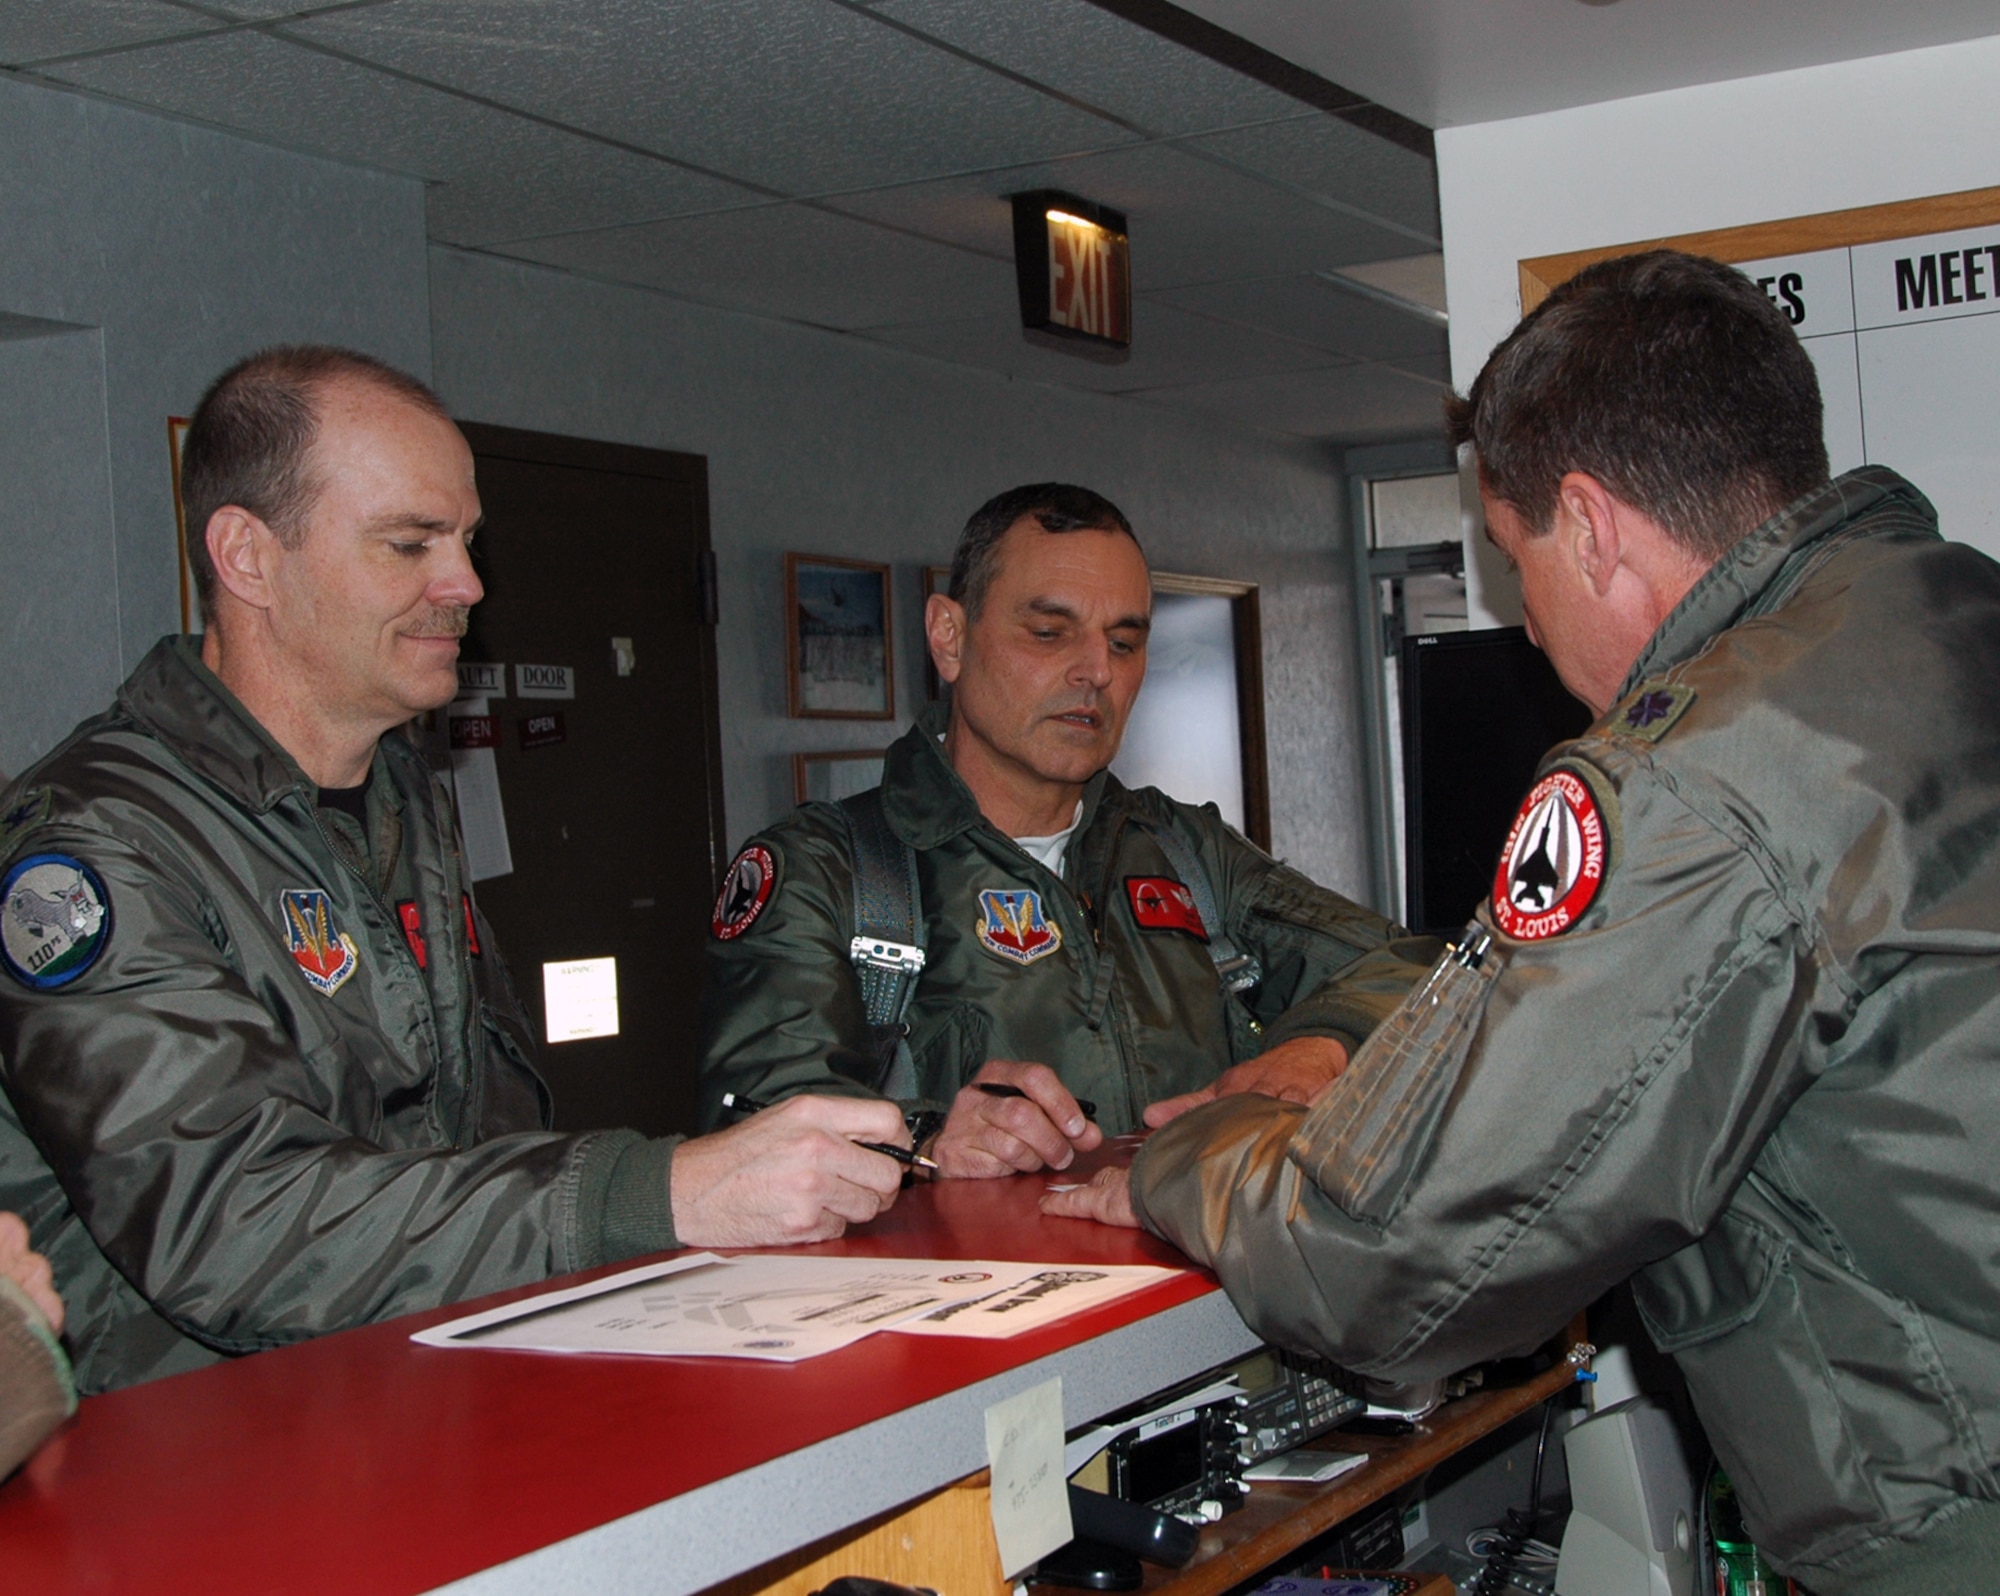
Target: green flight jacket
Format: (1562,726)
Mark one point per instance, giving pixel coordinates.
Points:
(1760,1068)
(216,1153)
(1125,1013)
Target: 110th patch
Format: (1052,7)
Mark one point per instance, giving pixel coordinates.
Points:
(1553,862)
(745,891)
(1013,925)
(55,919)
(326,957)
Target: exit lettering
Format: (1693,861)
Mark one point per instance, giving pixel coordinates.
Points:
(1087,282)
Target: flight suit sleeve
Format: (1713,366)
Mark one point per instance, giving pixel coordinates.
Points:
(1520,1134)
(1331,967)
(212,1157)
(782,1012)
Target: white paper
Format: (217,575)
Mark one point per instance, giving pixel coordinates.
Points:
(544,681)
(580,998)
(481,677)
(1305,1466)
(1026,1296)
(475,777)
(780,1309)
(1029,1496)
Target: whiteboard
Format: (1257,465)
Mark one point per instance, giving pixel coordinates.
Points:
(1905,336)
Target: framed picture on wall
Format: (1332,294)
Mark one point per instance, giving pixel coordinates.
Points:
(936,578)
(830,777)
(177,427)
(837,639)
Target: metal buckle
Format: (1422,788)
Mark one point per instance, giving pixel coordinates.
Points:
(1240,973)
(886,955)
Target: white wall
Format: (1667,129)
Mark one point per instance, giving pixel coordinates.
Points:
(1721,155)
(138,257)
(833,445)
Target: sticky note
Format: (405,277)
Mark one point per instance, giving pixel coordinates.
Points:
(580,998)
(1024,1449)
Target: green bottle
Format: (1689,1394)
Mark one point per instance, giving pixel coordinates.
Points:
(1740,1569)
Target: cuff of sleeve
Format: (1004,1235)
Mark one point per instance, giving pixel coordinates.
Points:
(624,1200)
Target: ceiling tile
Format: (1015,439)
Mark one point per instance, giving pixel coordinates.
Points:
(1109,63)
(496,176)
(792,261)
(1349,404)
(1315,312)
(799,95)
(1191,221)
(1169,347)
(1328,156)
(30,33)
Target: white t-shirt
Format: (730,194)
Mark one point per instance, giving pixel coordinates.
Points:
(1049,850)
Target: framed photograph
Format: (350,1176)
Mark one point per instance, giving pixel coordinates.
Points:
(177,427)
(936,579)
(830,777)
(837,639)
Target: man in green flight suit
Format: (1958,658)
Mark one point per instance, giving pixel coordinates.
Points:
(1080,941)
(1729,1023)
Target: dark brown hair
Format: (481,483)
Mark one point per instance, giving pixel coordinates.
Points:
(1672,379)
(250,441)
(1058,506)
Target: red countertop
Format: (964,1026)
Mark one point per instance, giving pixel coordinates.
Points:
(364,1464)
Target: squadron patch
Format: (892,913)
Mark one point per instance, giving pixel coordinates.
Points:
(745,891)
(1650,713)
(326,957)
(1012,925)
(1160,903)
(1553,862)
(55,919)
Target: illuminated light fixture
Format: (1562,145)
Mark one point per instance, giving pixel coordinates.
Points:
(1072,262)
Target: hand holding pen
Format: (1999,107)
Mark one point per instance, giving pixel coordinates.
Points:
(1012,1118)
(903,1155)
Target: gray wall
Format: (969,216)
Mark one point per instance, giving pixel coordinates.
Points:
(832,446)
(140,257)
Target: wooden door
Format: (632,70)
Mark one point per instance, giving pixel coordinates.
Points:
(612,797)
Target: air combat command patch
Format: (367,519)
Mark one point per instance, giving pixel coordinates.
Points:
(1554,859)
(55,919)
(1012,925)
(326,957)
(745,891)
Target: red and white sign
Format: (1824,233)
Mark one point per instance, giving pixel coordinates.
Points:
(1553,861)
(1160,903)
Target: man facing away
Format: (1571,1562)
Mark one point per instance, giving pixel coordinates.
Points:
(1729,1023)
(1079,942)
(264,1073)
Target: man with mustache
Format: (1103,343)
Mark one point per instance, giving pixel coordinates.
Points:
(264,1073)
(1080,942)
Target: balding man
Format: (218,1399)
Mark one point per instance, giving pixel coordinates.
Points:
(264,1073)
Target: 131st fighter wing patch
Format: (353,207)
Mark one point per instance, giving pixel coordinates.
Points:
(745,891)
(1554,859)
(55,919)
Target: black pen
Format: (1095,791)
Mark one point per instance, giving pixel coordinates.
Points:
(1002,1089)
(902,1155)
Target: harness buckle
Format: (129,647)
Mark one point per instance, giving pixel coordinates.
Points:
(883,954)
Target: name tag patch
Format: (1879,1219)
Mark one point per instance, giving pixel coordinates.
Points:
(326,957)
(1160,903)
(1553,862)
(745,891)
(1013,925)
(55,919)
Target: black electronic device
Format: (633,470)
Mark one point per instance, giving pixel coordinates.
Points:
(1479,711)
(1288,1399)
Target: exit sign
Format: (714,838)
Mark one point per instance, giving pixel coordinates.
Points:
(1072,261)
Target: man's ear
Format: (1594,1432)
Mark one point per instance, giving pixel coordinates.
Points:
(1587,513)
(944,630)
(241,547)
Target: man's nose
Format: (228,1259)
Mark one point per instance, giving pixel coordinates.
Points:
(456,582)
(1092,662)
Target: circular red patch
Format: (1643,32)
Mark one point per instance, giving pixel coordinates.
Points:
(745,891)
(1553,862)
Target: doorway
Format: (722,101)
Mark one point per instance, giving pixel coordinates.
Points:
(601,720)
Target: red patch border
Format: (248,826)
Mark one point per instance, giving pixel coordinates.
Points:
(730,930)
(1559,916)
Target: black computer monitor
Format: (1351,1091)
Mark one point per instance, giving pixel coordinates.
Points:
(1479,711)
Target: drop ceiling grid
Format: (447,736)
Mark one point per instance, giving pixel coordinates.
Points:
(600,117)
